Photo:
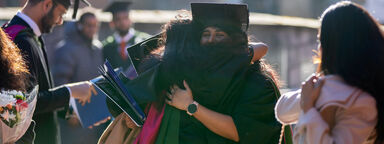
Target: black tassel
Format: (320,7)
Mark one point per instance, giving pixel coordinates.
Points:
(76,7)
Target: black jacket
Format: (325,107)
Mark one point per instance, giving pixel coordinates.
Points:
(229,86)
(49,98)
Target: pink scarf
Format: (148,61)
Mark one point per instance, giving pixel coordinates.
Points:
(151,126)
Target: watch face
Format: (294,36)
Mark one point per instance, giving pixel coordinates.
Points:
(192,108)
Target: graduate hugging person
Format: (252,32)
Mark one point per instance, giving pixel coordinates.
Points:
(208,85)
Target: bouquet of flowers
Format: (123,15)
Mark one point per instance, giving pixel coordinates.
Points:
(16,111)
(11,105)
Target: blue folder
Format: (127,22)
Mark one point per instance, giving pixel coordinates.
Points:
(115,89)
(92,112)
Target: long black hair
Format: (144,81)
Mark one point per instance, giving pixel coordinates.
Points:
(184,51)
(352,46)
(176,47)
(181,46)
(185,59)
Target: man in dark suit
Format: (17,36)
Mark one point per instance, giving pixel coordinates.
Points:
(37,17)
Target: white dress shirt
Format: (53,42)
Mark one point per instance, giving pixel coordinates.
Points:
(30,22)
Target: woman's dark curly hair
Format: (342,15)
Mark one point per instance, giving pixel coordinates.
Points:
(13,70)
(182,52)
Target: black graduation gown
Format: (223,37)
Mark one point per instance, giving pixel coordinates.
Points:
(230,87)
(249,100)
(225,84)
(49,98)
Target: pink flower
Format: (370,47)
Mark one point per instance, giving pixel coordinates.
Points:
(5,115)
(24,105)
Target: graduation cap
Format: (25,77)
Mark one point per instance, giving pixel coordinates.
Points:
(67,4)
(141,50)
(210,14)
(118,6)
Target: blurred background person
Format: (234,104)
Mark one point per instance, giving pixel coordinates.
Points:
(77,58)
(114,48)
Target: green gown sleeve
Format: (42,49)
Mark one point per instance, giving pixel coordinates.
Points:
(254,112)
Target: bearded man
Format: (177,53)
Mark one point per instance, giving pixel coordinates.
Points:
(26,29)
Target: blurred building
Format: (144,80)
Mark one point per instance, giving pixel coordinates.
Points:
(291,39)
(307,8)
(300,8)
(12,3)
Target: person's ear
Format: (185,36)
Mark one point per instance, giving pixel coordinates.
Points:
(80,26)
(130,21)
(47,6)
(111,25)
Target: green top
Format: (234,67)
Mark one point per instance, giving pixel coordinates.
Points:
(111,49)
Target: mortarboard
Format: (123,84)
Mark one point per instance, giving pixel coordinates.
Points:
(221,13)
(67,4)
(138,52)
(118,6)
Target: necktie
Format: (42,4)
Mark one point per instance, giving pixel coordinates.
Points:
(122,50)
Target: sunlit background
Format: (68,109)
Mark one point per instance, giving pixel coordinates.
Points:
(289,27)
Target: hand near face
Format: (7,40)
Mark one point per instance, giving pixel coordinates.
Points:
(310,91)
(259,50)
(180,98)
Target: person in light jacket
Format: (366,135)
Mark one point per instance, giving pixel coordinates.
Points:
(345,104)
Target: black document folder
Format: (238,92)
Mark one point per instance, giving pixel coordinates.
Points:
(113,85)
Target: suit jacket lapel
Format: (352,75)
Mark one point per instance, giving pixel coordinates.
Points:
(39,48)
(44,61)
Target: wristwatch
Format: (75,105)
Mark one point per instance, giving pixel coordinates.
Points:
(192,108)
